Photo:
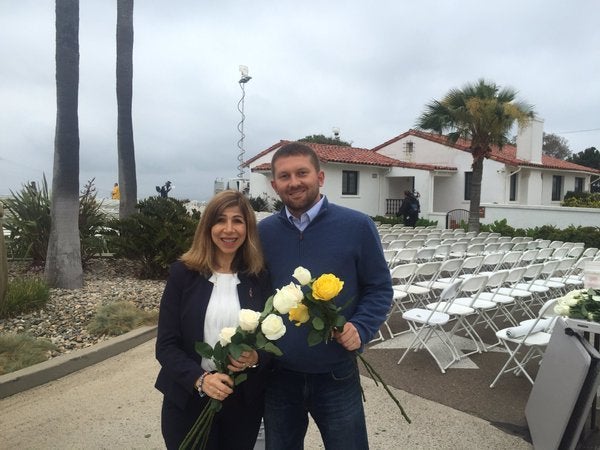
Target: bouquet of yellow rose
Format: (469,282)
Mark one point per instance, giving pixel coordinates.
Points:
(255,331)
(314,306)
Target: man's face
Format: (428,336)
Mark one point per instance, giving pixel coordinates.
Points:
(297,183)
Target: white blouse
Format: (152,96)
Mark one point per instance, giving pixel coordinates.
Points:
(223,310)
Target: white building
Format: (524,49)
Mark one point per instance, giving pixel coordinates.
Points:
(516,179)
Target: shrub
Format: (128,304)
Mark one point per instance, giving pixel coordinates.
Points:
(258,204)
(22,350)
(117,318)
(155,236)
(24,295)
(28,221)
(582,199)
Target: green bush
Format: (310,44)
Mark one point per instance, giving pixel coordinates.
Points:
(28,220)
(582,199)
(258,204)
(117,318)
(18,351)
(154,237)
(24,295)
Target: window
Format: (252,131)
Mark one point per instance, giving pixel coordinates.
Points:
(579,182)
(349,182)
(556,187)
(468,178)
(513,187)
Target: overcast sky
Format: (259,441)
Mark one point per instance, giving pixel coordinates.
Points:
(365,67)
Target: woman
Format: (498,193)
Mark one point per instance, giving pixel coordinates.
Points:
(222,272)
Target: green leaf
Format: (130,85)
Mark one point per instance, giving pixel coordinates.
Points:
(340,321)
(238,337)
(204,350)
(318,324)
(272,348)
(314,337)
(261,340)
(235,350)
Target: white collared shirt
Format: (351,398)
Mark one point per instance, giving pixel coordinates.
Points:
(306,217)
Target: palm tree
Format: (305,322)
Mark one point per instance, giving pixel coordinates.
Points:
(483,114)
(63,261)
(126,151)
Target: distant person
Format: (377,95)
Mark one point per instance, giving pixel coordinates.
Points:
(410,209)
(164,191)
(116,193)
(221,273)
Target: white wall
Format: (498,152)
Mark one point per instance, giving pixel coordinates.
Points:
(532,216)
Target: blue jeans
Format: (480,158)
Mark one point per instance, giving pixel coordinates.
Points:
(334,400)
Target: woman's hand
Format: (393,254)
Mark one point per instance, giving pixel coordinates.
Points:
(246,359)
(217,385)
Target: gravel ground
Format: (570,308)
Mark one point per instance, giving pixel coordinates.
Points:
(63,320)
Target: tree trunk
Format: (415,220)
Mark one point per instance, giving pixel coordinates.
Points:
(3,261)
(63,261)
(475,194)
(126,152)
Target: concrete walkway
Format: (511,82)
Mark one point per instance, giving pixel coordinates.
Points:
(112,404)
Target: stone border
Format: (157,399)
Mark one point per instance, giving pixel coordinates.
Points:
(38,374)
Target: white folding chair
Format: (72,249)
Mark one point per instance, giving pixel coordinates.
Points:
(402,276)
(504,302)
(510,259)
(573,277)
(427,325)
(521,291)
(420,289)
(404,256)
(462,307)
(448,273)
(484,305)
(424,254)
(532,335)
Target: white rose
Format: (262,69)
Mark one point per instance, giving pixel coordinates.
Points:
(225,335)
(571,298)
(287,298)
(561,309)
(302,275)
(273,327)
(248,319)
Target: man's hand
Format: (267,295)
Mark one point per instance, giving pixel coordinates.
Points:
(348,337)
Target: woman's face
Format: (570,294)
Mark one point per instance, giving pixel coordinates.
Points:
(229,232)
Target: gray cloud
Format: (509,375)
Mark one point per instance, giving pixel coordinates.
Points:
(367,68)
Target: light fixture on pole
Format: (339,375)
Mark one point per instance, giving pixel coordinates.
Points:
(243,80)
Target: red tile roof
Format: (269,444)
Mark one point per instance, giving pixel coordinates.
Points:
(506,155)
(350,155)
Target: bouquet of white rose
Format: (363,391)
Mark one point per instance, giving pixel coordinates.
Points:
(580,304)
(255,331)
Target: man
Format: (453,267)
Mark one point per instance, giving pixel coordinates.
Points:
(322,380)
(410,209)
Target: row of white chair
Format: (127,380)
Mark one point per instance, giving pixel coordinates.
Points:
(472,299)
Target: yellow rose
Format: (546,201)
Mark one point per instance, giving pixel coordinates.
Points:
(326,287)
(299,314)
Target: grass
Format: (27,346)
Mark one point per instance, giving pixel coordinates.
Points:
(18,351)
(24,295)
(114,319)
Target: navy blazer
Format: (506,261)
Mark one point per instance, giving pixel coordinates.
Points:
(181,325)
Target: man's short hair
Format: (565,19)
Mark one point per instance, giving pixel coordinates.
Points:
(295,149)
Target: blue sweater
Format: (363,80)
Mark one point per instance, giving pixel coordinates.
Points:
(345,243)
